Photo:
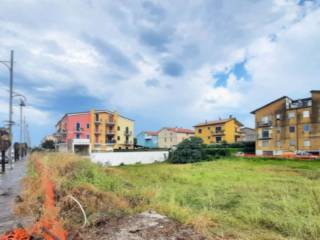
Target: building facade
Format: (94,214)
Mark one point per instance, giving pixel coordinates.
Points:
(286,126)
(148,139)
(247,135)
(218,131)
(171,137)
(91,131)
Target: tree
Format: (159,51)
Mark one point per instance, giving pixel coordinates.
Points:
(48,144)
(188,151)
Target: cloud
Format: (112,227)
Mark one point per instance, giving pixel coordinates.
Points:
(160,61)
(173,69)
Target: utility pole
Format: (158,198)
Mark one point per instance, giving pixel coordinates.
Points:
(10,108)
(9,65)
(22,104)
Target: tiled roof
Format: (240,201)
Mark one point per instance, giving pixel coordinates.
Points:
(152,133)
(220,121)
(180,130)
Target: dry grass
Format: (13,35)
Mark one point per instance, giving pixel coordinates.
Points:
(234,199)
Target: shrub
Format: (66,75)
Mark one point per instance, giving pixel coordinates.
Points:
(188,151)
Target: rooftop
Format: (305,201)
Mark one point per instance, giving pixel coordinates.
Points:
(180,130)
(219,121)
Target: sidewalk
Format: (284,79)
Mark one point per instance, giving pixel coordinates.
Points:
(9,189)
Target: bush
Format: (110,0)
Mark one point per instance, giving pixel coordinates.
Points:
(188,151)
(217,152)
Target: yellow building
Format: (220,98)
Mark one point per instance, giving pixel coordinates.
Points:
(218,131)
(288,126)
(110,131)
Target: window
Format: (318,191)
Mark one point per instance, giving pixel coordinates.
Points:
(78,135)
(209,137)
(265,143)
(306,128)
(306,143)
(88,136)
(291,115)
(165,139)
(118,138)
(278,116)
(278,129)
(218,139)
(118,128)
(306,114)
(265,119)
(218,129)
(78,126)
(265,133)
(208,128)
(97,117)
(292,142)
(88,125)
(199,130)
(292,129)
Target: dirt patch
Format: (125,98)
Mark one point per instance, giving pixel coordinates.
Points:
(144,226)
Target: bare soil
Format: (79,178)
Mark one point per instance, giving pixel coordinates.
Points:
(144,226)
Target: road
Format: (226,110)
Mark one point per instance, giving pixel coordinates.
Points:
(9,189)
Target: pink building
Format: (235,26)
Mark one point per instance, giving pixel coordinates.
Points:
(74,126)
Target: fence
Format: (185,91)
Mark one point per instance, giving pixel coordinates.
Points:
(118,158)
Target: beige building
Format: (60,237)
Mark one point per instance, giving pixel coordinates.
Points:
(170,137)
(286,126)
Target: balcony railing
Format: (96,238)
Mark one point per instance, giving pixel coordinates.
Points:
(109,143)
(110,132)
(126,133)
(110,122)
(264,123)
(264,137)
(218,132)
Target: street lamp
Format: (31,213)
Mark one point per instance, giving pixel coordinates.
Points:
(9,65)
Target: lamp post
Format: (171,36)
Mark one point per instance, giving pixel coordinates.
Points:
(9,65)
(22,104)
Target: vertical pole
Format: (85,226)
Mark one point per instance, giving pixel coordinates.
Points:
(20,144)
(10,109)
(3,161)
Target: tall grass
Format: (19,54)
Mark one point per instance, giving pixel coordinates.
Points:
(239,198)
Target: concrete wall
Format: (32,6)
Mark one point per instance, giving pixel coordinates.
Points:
(116,158)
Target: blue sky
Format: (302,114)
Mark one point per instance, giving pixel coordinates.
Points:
(162,63)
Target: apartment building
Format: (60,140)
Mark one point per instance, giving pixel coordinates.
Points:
(102,130)
(288,126)
(171,137)
(218,131)
(247,134)
(148,139)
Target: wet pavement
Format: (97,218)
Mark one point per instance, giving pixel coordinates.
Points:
(9,189)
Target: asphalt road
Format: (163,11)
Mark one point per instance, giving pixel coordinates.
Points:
(9,189)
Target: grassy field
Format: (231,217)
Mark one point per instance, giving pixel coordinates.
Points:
(232,198)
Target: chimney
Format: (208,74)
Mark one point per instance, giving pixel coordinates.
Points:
(230,116)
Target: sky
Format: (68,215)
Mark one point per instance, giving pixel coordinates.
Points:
(161,63)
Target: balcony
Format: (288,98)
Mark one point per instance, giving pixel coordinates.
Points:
(110,143)
(264,137)
(78,130)
(97,132)
(219,132)
(110,122)
(128,133)
(264,124)
(110,132)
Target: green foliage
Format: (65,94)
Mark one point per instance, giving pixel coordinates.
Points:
(188,151)
(48,144)
(239,197)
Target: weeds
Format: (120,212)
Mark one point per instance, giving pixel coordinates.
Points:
(245,199)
